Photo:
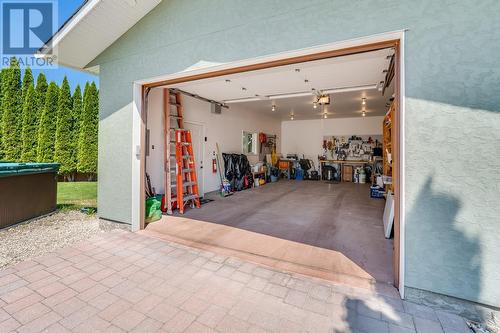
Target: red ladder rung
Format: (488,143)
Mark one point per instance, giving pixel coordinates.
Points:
(185,173)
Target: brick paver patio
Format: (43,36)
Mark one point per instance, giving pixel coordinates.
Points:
(123,281)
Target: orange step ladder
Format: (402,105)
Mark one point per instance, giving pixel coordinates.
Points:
(186,171)
(182,189)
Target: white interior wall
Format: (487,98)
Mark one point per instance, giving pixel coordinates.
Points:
(226,129)
(306,136)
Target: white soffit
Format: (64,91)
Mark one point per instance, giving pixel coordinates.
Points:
(95,27)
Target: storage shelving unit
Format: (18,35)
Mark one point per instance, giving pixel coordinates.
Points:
(387,147)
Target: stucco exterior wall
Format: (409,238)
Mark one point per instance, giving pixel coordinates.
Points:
(452,110)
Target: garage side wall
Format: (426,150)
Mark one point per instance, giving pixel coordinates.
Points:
(452,110)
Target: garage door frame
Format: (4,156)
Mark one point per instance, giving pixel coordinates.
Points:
(344,48)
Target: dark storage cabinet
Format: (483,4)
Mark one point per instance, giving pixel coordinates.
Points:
(27,190)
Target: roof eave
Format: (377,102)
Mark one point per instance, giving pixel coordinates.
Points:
(67,26)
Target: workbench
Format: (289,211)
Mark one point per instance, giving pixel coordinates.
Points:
(342,163)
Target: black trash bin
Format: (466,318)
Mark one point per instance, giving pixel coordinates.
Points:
(330,173)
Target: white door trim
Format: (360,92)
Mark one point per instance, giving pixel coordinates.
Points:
(136,156)
(402,163)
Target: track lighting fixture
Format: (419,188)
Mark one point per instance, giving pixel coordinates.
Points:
(363,101)
(324,99)
(273,108)
(241,100)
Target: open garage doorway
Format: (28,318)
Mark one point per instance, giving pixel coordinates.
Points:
(332,112)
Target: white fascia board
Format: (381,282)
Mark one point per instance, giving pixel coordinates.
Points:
(94,70)
(79,16)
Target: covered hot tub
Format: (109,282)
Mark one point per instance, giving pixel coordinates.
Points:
(27,190)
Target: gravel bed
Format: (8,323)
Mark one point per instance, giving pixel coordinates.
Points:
(36,237)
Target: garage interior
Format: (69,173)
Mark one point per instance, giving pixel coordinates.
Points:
(290,166)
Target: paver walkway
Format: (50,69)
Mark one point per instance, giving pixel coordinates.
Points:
(121,281)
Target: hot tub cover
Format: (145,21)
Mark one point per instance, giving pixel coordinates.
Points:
(8,169)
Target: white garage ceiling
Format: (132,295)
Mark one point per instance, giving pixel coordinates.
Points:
(358,75)
(343,105)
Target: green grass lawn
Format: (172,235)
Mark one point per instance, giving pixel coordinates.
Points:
(76,195)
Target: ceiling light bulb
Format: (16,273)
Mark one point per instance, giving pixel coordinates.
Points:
(325,115)
(315,105)
(363,101)
(381,86)
(364,113)
(291,117)
(273,108)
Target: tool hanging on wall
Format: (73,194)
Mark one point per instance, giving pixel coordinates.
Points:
(214,163)
(262,140)
(149,190)
(225,186)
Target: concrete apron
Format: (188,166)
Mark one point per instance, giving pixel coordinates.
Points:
(266,250)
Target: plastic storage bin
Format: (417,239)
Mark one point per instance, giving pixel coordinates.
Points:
(376,192)
(299,174)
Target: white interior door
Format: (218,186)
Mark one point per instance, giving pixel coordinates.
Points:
(198,138)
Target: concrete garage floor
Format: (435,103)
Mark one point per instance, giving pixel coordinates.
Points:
(333,228)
